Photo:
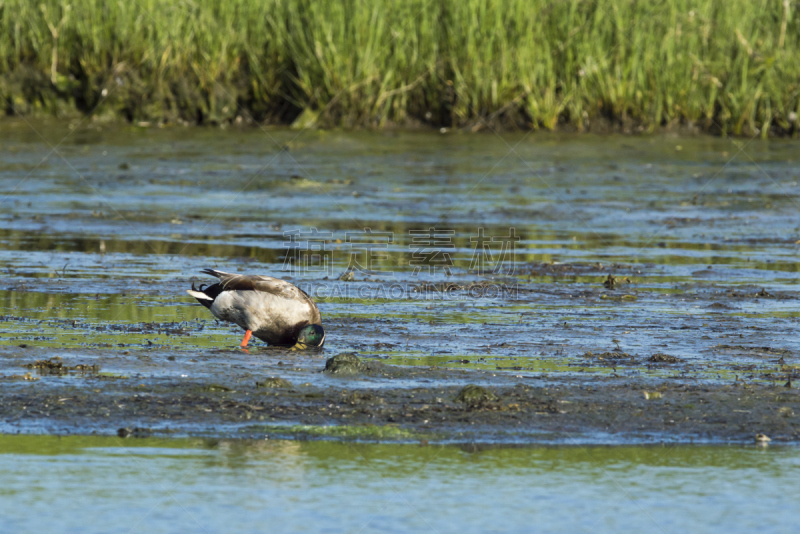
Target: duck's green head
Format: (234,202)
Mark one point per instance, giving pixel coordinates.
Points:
(310,337)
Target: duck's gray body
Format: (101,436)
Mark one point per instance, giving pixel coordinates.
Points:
(273,309)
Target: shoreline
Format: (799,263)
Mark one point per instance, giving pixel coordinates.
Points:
(598,129)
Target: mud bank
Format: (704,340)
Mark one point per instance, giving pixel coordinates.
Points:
(295,396)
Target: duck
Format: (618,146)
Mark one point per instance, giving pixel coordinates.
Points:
(271,309)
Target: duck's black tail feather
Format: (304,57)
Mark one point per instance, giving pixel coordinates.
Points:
(212,272)
(205,295)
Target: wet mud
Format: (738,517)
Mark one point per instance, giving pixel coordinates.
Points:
(652,293)
(415,403)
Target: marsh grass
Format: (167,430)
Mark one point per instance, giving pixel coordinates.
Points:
(727,67)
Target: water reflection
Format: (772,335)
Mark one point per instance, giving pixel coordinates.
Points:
(158,485)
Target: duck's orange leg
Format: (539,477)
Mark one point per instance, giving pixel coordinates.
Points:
(246,339)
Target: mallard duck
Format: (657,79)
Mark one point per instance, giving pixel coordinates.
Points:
(271,309)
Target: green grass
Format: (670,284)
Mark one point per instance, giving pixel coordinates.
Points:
(727,67)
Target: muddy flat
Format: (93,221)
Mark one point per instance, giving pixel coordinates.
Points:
(592,290)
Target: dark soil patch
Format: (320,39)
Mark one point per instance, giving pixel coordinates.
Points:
(495,411)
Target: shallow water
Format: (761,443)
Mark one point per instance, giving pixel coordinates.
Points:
(92,484)
(99,240)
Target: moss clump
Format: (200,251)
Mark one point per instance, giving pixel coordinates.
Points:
(56,366)
(345,364)
(475,396)
(52,365)
(659,357)
(274,382)
(26,377)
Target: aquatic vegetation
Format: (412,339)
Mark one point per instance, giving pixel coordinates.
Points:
(27,377)
(727,68)
(56,366)
(660,357)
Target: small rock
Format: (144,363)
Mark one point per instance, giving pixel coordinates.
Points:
(762,438)
(136,432)
(345,363)
(473,395)
(217,387)
(274,382)
(649,395)
(612,281)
